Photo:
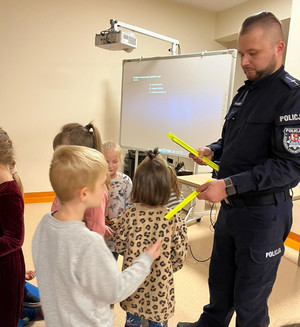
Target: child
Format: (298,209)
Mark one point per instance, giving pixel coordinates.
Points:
(175,197)
(12,267)
(89,136)
(32,309)
(121,185)
(141,224)
(76,272)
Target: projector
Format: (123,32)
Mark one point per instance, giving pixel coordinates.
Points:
(116,40)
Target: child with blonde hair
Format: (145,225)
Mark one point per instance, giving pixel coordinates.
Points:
(12,266)
(119,196)
(89,136)
(143,223)
(77,274)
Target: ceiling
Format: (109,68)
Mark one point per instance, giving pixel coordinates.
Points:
(212,5)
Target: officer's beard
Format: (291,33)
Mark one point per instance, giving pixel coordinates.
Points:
(268,70)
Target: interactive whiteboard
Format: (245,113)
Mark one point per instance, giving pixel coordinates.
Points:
(187,95)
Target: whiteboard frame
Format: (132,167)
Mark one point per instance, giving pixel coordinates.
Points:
(232,52)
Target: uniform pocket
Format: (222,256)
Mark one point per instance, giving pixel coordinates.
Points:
(254,138)
(266,254)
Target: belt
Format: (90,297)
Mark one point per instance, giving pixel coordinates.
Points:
(257,199)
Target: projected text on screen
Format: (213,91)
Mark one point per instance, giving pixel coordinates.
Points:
(187,96)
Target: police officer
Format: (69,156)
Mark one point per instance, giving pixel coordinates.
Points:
(259,154)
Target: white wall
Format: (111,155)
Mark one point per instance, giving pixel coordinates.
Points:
(53,74)
(229,21)
(293,50)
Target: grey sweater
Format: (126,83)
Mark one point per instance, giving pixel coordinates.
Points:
(77,274)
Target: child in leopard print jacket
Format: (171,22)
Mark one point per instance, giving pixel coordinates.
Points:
(140,225)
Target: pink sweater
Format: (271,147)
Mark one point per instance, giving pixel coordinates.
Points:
(94,217)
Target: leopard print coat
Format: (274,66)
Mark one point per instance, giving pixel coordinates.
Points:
(136,229)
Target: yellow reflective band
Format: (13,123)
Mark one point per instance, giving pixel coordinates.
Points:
(192,150)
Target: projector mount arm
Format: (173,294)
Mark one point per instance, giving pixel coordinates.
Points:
(115,24)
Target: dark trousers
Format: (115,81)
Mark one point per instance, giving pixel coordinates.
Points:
(248,246)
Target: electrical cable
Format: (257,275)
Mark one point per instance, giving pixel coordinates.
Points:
(212,224)
(195,257)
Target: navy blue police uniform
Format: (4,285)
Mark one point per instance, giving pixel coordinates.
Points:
(260,152)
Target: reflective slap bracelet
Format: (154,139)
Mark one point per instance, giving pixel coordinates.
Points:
(183,203)
(192,150)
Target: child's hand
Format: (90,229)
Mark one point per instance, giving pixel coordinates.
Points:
(29,274)
(108,233)
(154,250)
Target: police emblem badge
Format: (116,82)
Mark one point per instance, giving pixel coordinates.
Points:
(291,140)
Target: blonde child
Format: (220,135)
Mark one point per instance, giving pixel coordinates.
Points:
(119,196)
(12,266)
(141,224)
(77,274)
(89,136)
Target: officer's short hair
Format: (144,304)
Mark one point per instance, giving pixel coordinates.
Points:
(264,19)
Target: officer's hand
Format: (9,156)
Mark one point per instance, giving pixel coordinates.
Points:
(205,151)
(213,191)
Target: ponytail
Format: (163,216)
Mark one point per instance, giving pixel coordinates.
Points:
(14,173)
(96,136)
(77,134)
(17,178)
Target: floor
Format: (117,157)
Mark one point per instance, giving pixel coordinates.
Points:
(191,281)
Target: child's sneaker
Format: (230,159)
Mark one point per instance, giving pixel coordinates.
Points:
(29,298)
(32,313)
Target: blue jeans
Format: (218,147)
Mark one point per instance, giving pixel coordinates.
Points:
(136,321)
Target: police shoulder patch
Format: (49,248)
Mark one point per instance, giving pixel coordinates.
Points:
(291,139)
(290,81)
